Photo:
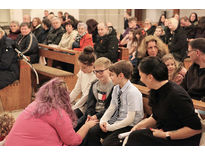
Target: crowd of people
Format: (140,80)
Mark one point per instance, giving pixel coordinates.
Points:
(109,103)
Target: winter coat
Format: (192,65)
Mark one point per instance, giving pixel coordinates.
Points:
(54,36)
(86,40)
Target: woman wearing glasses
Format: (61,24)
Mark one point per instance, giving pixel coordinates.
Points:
(100,92)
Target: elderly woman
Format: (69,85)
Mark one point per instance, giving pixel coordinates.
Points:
(36,27)
(48,120)
(176,40)
(69,36)
(174,121)
(14,30)
(27,43)
(150,46)
(83,39)
(9,68)
(55,34)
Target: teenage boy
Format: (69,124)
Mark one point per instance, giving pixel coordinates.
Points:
(125,110)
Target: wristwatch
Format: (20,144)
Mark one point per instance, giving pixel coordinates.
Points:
(168,136)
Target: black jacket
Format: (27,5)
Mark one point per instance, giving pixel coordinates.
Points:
(107,45)
(54,36)
(9,66)
(37,32)
(28,45)
(177,43)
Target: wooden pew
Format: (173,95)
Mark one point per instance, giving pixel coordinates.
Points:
(18,94)
(123,53)
(63,55)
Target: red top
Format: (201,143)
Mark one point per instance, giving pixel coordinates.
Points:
(53,129)
(86,40)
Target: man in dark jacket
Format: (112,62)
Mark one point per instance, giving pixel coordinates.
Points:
(9,68)
(27,43)
(189,28)
(107,43)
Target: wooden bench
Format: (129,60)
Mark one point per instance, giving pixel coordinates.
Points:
(123,53)
(63,55)
(145,91)
(18,94)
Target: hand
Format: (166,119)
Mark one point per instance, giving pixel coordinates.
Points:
(91,123)
(94,117)
(158,133)
(103,127)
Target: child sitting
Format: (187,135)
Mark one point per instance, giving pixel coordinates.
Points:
(176,70)
(6,123)
(125,110)
(100,92)
(85,78)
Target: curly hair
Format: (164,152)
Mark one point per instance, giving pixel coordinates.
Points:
(54,95)
(162,47)
(6,123)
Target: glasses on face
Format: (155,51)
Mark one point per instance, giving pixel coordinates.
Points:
(99,71)
(189,51)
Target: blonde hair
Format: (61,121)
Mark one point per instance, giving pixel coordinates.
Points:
(6,123)
(162,47)
(103,61)
(174,22)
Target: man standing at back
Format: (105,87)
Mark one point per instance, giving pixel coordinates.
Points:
(107,43)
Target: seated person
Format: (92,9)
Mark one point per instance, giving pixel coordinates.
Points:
(48,120)
(36,27)
(14,30)
(9,66)
(176,70)
(69,36)
(6,123)
(150,46)
(27,43)
(46,25)
(194,80)
(85,76)
(174,121)
(189,28)
(125,110)
(149,28)
(56,32)
(159,32)
(83,38)
(92,28)
(100,92)
(106,44)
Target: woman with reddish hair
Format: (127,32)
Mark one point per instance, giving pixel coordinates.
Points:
(48,120)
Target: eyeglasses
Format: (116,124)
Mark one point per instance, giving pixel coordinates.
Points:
(99,71)
(189,51)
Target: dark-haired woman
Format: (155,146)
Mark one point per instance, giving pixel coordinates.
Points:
(174,121)
(193,18)
(85,77)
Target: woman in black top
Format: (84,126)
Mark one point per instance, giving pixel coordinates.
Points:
(174,121)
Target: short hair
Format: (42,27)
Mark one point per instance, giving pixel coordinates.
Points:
(46,22)
(201,22)
(14,22)
(81,24)
(122,66)
(174,21)
(155,67)
(55,18)
(103,61)
(199,44)
(185,18)
(6,123)
(70,23)
(132,19)
(23,24)
(87,57)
